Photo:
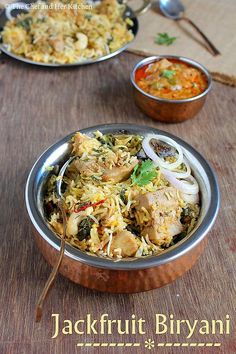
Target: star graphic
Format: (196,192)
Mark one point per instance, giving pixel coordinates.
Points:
(149,344)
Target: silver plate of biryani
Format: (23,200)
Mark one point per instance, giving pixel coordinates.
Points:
(125,195)
(67,32)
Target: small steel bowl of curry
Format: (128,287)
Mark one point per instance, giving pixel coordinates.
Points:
(170,88)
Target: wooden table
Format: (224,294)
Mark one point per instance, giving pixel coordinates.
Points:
(38,107)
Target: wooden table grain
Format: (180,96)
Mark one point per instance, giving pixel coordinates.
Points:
(39,106)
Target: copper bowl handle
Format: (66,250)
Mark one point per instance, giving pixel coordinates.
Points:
(144,8)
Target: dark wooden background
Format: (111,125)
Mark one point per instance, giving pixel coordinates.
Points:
(39,106)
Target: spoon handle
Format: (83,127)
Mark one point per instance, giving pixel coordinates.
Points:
(52,277)
(214,50)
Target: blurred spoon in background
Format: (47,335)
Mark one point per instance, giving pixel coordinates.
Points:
(174,9)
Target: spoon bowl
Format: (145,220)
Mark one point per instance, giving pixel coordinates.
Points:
(172,9)
(60,177)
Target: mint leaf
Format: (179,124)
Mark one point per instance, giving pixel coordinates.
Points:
(168,74)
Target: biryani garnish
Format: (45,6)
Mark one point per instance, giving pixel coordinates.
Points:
(125,196)
(70,34)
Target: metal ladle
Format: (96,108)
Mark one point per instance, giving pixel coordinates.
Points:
(52,277)
(174,9)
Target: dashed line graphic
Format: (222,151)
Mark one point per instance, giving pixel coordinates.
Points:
(149,344)
(108,344)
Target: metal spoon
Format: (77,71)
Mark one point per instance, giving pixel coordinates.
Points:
(174,9)
(61,175)
(52,277)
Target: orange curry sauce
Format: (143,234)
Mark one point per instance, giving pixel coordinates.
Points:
(171,79)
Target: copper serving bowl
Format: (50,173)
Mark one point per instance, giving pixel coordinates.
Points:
(130,275)
(168,110)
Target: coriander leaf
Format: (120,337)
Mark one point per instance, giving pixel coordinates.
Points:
(168,74)
(107,139)
(164,39)
(88,16)
(26,23)
(144,173)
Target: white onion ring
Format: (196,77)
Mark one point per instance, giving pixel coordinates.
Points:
(182,185)
(157,160)
(190,198)
(182,174)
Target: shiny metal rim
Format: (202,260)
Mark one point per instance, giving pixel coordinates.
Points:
(87,62)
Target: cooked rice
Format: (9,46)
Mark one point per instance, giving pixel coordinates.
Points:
(67,36)
(117,210)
